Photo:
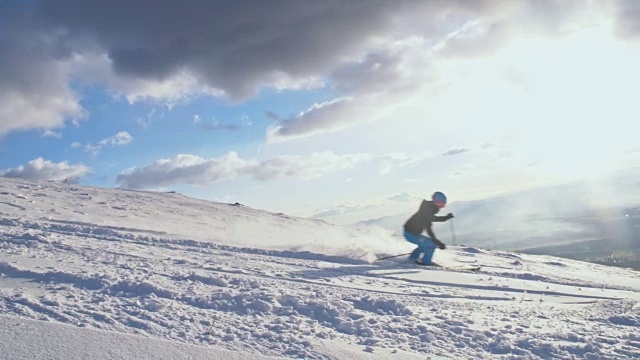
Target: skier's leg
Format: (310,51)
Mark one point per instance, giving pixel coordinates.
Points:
(415,240)
(415,254)
(429,248)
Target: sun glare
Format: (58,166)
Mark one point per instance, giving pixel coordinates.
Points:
(563,99)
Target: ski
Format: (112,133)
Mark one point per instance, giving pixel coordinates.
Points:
(451,267)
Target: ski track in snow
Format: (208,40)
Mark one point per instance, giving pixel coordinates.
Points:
(286,303)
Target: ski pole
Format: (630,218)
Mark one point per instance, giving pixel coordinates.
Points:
(392,256)
(453,233)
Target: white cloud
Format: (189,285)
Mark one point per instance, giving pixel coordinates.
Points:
(389,203)
(315,165)
(195,170)
(368,90)
(51,133)
(402,197)
(183,169)
(216,125)
(246,121)
(36,104)
(146,120)
(393,161)
(179,88)
(344,209)
(40,169)
(328,116)
(119,139)
(469,66)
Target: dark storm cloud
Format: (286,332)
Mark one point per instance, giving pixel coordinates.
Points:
(236,47)
(375,73)
(34,90)
(232,46)
(628,19)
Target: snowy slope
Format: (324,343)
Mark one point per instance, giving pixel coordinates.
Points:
(157,275)
(32,339)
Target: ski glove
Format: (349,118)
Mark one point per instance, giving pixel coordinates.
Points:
(450,216)
(439,244)
(442,246)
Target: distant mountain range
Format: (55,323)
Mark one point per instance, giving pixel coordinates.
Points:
(581,221)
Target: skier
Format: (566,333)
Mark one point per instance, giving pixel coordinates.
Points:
(422,220)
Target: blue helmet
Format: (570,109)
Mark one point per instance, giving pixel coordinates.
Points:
(439,198)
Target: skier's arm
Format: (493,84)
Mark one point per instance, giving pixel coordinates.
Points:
(438,243)
(431,234)
(442,218)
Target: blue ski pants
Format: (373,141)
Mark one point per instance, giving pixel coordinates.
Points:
(425,245)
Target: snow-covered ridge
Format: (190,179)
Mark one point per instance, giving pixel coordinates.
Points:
(101,211)
(185,272)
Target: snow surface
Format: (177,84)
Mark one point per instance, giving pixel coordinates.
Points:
(116,274)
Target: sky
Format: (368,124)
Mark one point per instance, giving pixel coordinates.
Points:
(342,110)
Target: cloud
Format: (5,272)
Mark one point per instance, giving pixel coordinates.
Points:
(195,170)
(236,48)
(323,117)
(490,30)
(342,209)
(455,151)
(313,166)
(474,39)
(628,19)
(146,120)
(182,169)
(352,207)
(367,88)
(377,72)
(402,197)
(119,139)
(34,89)
(423,62)
(172,52)
(393,161)
(507,154)
(383,78)
(40,169)
(94,66)
(51,133)
(218,126)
